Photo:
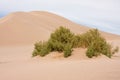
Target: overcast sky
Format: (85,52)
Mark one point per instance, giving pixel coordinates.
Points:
(101,14)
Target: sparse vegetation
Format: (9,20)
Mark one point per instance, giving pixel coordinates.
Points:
(63,40)
(67,50)
(41,48)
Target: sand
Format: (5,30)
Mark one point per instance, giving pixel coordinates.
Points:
(20,30)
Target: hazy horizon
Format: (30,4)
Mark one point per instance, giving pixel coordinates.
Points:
(101,14)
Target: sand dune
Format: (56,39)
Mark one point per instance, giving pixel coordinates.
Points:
(27,28)
(20,30)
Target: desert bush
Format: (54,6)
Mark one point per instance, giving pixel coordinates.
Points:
(41,48)
(96,44)
(63,40)
(55,45)
(88,37)
(90,51)
(62,35)
(60,38)
(98,47)
(58,41)
(76,41)
(67,50)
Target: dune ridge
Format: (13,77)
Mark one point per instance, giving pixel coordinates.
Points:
(29,27)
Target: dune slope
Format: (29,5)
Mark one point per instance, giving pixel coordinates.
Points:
(29,27)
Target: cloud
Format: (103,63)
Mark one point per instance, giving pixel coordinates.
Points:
(77,10)
(52,4)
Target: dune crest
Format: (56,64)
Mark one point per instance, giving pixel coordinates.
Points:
(29,27)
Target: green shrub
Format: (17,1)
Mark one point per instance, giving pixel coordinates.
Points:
(60,38)
(41,48)
(88,37)
(76,41)
(56,45)
(67,50)
(90,51)
(62,35)
(106,50)
(97,45)
(58,41)
(63,40)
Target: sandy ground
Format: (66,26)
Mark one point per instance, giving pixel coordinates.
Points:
(16,63)
(16,45)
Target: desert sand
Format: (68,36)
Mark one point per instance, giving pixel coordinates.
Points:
(20,30)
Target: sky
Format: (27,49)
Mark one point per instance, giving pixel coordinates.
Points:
(101,14)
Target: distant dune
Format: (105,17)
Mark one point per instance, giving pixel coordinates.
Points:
(20,30)
(29,27)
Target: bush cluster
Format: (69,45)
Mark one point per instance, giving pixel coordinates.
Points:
(41,48)
(63,40)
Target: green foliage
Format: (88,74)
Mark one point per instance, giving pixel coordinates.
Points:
(98,47)
(60,38)
(76,41)
(62,35)
(55,45)
(88,37)
(67,50)
(96,44)
(41,48)
(90,51)
(63,40)
(107,50)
